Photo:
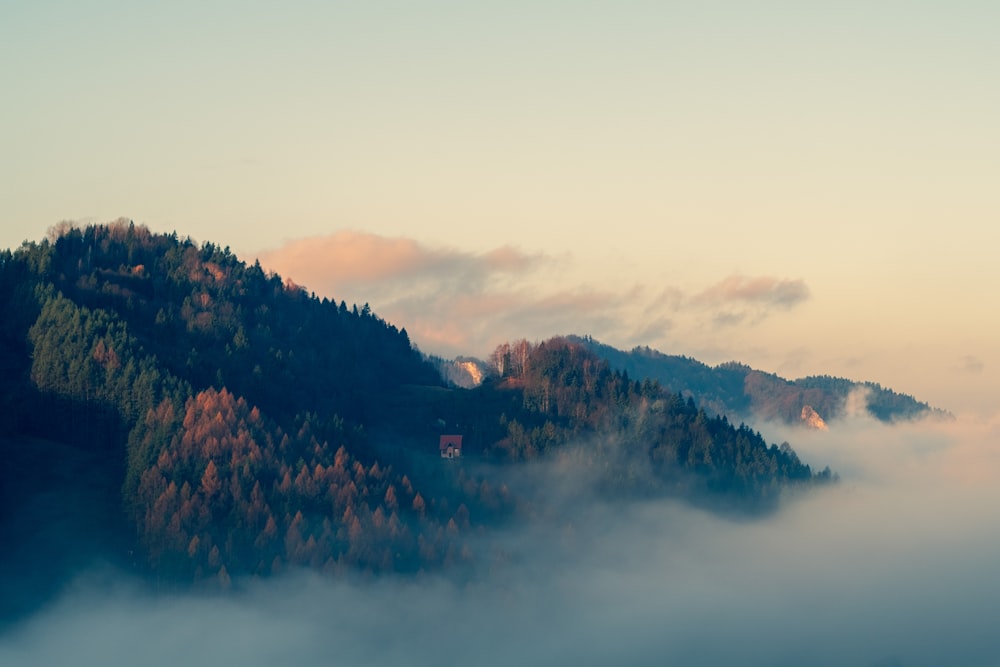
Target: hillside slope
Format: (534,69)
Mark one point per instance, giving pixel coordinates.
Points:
(253,427)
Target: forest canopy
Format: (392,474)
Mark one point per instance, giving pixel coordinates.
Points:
(252,426)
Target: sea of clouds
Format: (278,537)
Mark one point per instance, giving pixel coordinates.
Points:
(894,566)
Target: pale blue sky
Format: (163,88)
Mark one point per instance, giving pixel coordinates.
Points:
(639,149)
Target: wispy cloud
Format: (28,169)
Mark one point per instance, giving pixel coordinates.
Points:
(458,302)
(764,290)
(971,364)
(741,300)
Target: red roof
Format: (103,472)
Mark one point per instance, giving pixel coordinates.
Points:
(451,441)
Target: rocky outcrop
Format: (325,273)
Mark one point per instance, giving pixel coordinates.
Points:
(464,372)
(812,419)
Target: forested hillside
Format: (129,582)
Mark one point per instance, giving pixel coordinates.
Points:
(742,393)
(252,426)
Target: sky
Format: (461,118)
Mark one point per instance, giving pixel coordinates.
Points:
(809,188)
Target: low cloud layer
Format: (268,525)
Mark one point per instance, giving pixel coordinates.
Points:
(895,566)
(456,302)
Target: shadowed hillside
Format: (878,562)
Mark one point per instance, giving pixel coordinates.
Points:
(247,426)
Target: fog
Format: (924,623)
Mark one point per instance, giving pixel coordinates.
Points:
(894,566)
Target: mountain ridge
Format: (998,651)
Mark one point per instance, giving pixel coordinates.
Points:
(742,392)
(736,390)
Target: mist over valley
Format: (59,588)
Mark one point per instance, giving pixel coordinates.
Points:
(204,462)
(893,566)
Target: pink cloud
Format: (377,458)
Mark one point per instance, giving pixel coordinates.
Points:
(347,261)
(458,302)
(349,257)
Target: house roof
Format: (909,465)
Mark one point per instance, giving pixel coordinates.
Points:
(451,441)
